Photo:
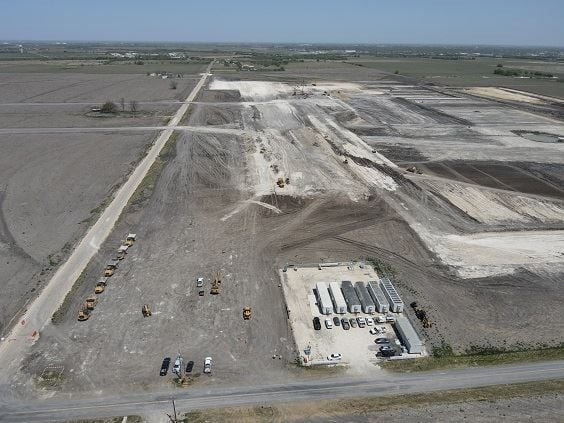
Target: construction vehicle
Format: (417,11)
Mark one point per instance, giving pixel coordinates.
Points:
(130,240)
(246,313)
(110,268)
(421,315)
(216,284)
(146,310)
(121,252)
(280,182)
(91,302)
(101,285)
(287,181)
(83,314)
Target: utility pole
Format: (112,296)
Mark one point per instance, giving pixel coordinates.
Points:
(175,418)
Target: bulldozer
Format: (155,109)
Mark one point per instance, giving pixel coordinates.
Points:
(91,302)
(110,268)
(146,310)
(280,182)
(216,284)
(101,285)
(246,313)
(83,314)
(129,240)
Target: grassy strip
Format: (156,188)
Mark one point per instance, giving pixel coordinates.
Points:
(130,419)
(145,188)
(64,307)
(471,360)
(304,411)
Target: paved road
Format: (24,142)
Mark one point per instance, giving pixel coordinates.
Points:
(196,398)
(72,130)
(38,315)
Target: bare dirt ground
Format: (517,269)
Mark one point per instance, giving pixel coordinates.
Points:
(216,206)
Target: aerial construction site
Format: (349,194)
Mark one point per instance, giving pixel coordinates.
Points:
(207,237)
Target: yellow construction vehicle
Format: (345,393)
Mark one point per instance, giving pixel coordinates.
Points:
(110,268)
(83,314)
(91,302)
(129,240)
(121,252)
(146,310)
(101,285)
(246,313)
(216,284)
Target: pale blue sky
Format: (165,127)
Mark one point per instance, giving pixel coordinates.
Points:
(514,22)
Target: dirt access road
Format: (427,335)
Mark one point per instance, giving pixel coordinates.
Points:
(39,313)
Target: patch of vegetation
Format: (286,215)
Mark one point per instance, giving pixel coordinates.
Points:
(521,72)
(342,409)
(444,358)
(382,268)
(65,305)
(119,419)
(109,107)
(145,188)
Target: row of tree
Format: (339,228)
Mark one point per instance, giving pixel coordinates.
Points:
(111,108)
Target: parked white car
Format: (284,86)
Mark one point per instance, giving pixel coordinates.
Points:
(200,282)
(334,357)
(369,321)
(328,324)
(374,331)
(207,364)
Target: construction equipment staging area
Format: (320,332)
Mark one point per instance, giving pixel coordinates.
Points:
(346,291)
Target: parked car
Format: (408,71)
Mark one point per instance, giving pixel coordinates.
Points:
(382,341)
(380,319)
(177,367)
(390,318)
(316,323)
(165,366)
(336,321)
(387,351)
(361,322)
(374,331)
(201,292)
(369,321)
(189,366)
(207,364)
(386,348)
(383,329)
(346,325)
(200,282)
(334,357)
(353,323)
(328,324)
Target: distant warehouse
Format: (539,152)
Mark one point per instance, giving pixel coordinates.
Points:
(368,305)
(396,304)
(351,298)
(323,298)
(338,299)
(408,336)
(380,301)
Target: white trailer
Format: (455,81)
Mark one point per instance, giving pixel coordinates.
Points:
(338,299)
(323,298)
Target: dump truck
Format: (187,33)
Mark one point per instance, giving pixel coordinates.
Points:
(101,285)
(146,310)
(110,268)
(129,240)
(83,314)
(91,302)
(216,284)
(246,313)
(121,252)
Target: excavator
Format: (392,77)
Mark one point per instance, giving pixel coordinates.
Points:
(129,240)
(91,302)
(83,314)
(246,313)
(101,285)
(110,268)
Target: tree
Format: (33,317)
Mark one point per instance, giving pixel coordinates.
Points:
(173,85)
(133,106)
(397,72)
(499,65)
(122,103)
(108,107)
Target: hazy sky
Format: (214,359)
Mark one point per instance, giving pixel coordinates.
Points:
(515,22)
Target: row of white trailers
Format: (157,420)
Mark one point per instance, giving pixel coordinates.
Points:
(368,297)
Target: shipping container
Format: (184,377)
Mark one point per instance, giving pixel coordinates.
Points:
(408,336)
(323,298)
(353,303)
(380,301)
(396,304)
(366,302)
(338,299)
